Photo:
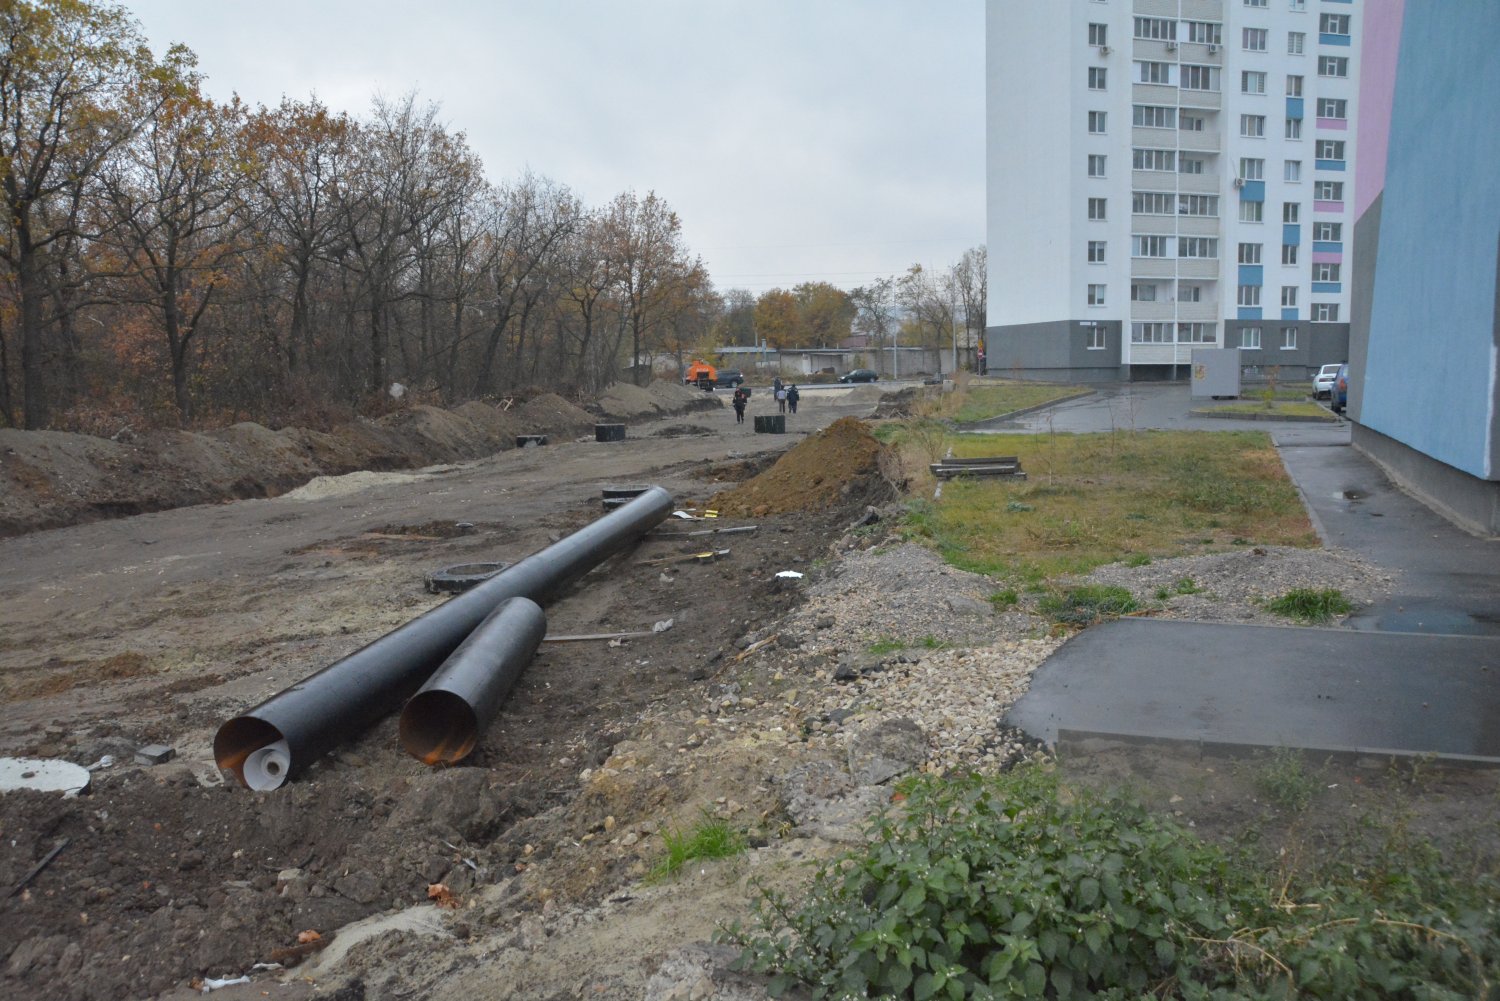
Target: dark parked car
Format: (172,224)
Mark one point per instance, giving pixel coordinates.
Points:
(730,377)
(1338,396)
(860,375)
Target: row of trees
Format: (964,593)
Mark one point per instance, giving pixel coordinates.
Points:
(173,258)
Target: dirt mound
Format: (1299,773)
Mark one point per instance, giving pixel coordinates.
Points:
(551,415)
(865,393)
(674,397)
(499,427)
(899,404)
(442,435)
(841,465)
(624,401)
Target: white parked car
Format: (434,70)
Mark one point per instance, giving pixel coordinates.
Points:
(1323,381)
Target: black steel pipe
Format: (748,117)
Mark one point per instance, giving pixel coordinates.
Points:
(303,722)
(442,722)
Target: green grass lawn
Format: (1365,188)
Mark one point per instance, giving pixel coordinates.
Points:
(1100,498)
(1301,408)
(981,402)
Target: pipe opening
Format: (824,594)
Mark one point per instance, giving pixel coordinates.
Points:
(244,736)
(438,727)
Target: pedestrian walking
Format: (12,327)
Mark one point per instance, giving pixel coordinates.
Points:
(792,396)
(740,399)
(781,400)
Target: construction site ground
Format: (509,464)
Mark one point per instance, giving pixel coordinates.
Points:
(527,871)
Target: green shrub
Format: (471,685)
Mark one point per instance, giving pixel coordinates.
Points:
(1083,606)
(1309,606)
(1284,780)
(710,837)
(1005,599)
(1138,560)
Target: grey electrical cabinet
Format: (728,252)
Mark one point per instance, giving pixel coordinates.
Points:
(1216,372)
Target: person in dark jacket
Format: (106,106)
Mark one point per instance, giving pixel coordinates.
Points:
(740,399)
(792,396)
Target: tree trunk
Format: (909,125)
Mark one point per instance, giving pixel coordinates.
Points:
(377,348)
(33,350)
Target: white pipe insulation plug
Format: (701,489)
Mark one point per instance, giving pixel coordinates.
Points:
(266,768)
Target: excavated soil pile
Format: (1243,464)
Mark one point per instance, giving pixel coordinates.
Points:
(842,465)
(551,415)
(897,405)
(675,398)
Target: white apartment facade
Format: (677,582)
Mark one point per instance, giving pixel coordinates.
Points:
(1166,175)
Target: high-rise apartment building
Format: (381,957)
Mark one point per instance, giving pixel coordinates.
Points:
(1167,175)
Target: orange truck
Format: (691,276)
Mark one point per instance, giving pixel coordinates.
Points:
(701,374)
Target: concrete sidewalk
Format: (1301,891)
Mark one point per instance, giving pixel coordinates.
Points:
(1416,673)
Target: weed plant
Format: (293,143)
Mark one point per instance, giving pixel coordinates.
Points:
(1310,606)
(1010,887)
(1284,779)
(709,838)
(1083,606)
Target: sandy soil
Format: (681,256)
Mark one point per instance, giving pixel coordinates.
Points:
(155,628)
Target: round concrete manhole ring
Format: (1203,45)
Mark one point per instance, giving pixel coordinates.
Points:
(457,579)
(43,775)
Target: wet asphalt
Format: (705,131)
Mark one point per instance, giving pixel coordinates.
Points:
(1416,673)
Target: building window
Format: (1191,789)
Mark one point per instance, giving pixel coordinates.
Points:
(1291,211)
(1200,77)
(1329,107)
(1253,126)
(1252,82)
(1255,3)
(1250,338)
(1328,191)
(1190,123)
(1098,34)
(1151,333)
(1294,128)
(1250,212)
(1096,337)
(1333,66)
(1190,293)
(1289,296)
(1189,165)
(1296,42)
(1148,246)
(1096,208)
(1155,72)
(1196,333)
(1154,159)
(1205,32)
(1205,205)
(1096,164)
(1096,122)
(1153,116)
(1252,168)
(1325,312)
(1200,247)
(1096,251)
(1329,149)
(1293,86)
(1250,253)
(1096,295)
(1249,295)
(1289,338)
(1292,171)
(1142,292)
(1325,272)
(1160,28)
(1097,76)
(1332,232)
(1151,202)
(1253,39)
(1296,5)
(1289,253)
(1334,24)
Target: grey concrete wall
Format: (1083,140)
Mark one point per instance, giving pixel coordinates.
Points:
(1318,344)
(1366,250)
(1057,351)
(1461,497)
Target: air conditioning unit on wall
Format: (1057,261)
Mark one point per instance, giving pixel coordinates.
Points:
(1171,46)
(1104,50)
(1212,48)
(1239,182)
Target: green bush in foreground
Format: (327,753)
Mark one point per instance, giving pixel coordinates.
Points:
(1007,888)
(1083,606)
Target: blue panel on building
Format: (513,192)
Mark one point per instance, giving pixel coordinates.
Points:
(1330,164)
(1326,39)
(1319,287)
(1251,274)
(1294,107)
(1253,191)
(1327,247)
(1291,234)
(1249,313)
(1289,314)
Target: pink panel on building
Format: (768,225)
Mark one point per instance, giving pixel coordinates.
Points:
(1377,91)
(1333,125)
(1328,206)
(1328,257)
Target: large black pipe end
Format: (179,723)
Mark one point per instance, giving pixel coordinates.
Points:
(439,727)
(238,739)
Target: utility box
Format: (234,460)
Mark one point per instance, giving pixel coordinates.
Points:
(1216,373)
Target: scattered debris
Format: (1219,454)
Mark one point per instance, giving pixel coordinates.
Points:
(658,627)
(443,897)
(997,465)
(155,754)
(210,984)
(459,578)
(46,861)
(706,556)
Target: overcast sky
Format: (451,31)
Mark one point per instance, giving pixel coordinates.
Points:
(823,140)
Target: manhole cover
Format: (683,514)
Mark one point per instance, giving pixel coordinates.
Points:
(43,775)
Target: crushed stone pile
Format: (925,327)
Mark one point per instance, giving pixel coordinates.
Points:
(842,465)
